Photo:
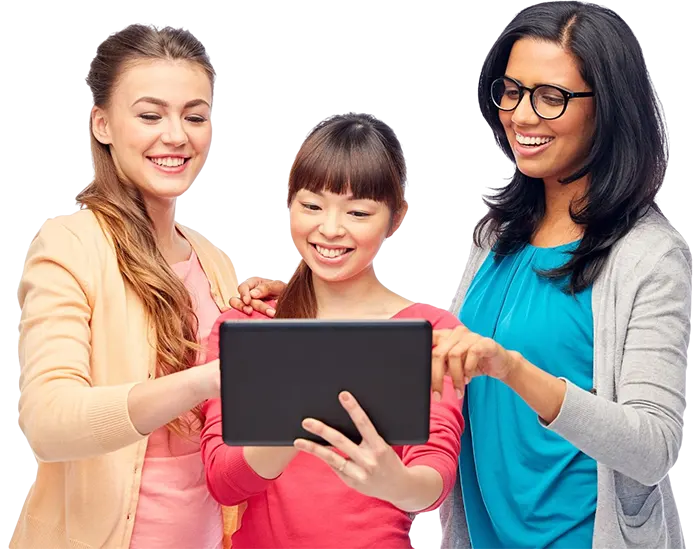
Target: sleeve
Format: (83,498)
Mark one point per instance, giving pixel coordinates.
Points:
(229,478)
(442,450)
(640,434)
(63,416)
(230,314)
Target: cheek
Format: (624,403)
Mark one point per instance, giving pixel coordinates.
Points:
(370,238)
(299,227)
(201,139)
(505,118)
(135,137)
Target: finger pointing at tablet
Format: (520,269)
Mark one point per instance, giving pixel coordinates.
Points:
(372,467)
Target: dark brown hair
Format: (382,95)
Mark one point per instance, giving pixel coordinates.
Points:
(354,153)
(120,208)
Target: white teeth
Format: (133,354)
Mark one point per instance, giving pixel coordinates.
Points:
(523,140)
(330,252)
(169,161)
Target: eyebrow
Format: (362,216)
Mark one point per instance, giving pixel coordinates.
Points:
(536,84)
(350,197)
(162,103)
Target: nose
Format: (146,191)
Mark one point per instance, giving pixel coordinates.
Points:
(524,114)
(331,226)
(174,134)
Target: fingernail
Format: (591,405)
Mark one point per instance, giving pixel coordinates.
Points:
(308,423)
(344,397)
(254,293)
(436,396)
(271,312)
(460,394)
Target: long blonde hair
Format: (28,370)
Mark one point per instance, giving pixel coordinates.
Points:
(121,211)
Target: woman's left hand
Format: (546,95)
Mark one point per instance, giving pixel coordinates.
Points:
(463,354)
(372,467)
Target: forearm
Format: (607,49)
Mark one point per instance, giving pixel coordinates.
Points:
(543,392)
(269,462)
(420,488)
(153,404)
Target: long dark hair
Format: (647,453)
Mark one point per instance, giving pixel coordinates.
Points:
(351,152)
(628,155)
(120,208)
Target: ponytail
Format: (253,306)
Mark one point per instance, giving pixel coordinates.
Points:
(298,298)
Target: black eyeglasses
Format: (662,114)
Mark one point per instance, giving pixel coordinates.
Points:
(548,101)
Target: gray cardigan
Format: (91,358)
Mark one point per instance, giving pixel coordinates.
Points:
(632,421)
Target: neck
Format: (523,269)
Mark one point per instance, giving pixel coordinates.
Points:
(559,197)
(557,227)
(170,243)
(348,298)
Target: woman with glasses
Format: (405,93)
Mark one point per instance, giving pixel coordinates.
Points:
(575,301)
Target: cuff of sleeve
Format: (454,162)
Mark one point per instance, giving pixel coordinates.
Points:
(575,416)
(109,417)
(237,472)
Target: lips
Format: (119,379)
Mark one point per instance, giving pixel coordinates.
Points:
(332,255)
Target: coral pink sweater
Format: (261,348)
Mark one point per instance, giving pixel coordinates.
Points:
(308,506)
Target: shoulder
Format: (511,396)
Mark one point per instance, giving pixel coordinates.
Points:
(439,318)
(81,225)
(72,239)
(643,249)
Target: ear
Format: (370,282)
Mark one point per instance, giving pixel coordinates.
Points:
(99,126)
(398,218)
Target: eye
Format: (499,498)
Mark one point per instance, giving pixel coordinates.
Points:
(360,214)
(150,117)
(196,119)
(552,100)
(311,207)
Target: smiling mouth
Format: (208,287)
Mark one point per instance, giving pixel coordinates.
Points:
(532,141)
(169,161)
(331,253)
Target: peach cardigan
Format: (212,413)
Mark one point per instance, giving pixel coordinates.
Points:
(84,341)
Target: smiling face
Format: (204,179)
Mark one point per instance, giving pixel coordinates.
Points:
(548,149)
(337,235)
(157,124)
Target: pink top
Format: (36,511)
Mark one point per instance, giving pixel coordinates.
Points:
(308,506)
(175,507)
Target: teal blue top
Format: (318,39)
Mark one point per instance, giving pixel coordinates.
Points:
(523,485)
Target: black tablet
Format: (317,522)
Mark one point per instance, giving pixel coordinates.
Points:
(275,373)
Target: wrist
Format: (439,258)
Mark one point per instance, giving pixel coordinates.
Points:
(204,381)
(516,365)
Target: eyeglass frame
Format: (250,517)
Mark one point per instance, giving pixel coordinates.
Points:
(567,96)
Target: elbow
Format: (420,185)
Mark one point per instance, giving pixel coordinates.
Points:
(217,482)
(664,452)
(219,489)
(37,432)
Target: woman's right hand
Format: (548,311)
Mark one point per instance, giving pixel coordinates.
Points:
(255,293)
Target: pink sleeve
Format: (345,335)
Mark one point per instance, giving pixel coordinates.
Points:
(442,450)
(229,478)
(230,314)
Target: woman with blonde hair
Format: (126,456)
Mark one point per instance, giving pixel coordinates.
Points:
(117,302)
